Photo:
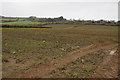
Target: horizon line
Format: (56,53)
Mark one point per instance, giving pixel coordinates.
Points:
(63,17)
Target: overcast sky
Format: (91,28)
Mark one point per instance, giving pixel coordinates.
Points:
(70,9)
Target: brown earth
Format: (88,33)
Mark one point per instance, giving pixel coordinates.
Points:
(107,69)
(42,69)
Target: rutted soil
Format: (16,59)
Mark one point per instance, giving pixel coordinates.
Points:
(108,69)
(42,69)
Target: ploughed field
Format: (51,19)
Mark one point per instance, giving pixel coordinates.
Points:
(24,49)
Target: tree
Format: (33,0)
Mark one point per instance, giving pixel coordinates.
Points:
(50,20)
(32,17)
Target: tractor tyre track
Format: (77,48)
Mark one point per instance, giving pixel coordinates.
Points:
(45,68)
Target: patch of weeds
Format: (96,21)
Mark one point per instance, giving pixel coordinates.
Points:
(88,68)
(74,75)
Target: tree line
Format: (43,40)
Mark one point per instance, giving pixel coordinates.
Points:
(61,20)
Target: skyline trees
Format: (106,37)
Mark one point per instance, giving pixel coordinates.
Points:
(61,20)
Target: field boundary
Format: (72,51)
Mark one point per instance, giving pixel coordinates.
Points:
(23,26)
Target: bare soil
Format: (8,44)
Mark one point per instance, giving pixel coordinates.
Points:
(107,69)
(40,70)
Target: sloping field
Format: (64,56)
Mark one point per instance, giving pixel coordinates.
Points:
(26,48)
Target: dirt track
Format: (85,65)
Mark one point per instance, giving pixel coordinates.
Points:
(43,69)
